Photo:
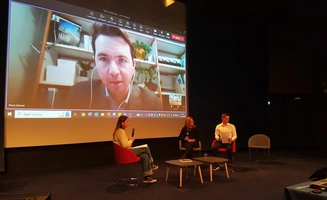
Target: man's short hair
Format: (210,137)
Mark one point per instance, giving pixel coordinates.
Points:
(224,115)
(107,30)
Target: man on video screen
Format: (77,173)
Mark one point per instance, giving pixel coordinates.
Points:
(115,64)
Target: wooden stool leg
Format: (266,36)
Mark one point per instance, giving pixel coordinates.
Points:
(200,173)
(167,172)
(180,176)
(210,168)
(194,173)
(226,169)
(186,172)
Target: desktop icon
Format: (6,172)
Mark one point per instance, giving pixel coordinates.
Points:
(83,114)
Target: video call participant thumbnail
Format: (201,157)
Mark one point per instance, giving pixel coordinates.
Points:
(115,63)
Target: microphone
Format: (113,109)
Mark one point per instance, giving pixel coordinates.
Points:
(133,130)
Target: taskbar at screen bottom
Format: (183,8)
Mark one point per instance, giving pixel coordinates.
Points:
(20,114)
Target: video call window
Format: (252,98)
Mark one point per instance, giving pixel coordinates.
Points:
(42,75)
(56,89)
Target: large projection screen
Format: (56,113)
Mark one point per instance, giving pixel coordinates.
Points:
(50,61)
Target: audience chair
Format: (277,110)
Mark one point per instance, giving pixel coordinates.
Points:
(125,156)
(259,141)
(197,149)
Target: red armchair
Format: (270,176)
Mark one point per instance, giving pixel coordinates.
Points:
(125,156)
(224,149)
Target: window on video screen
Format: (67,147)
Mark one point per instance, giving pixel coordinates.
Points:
(91,63)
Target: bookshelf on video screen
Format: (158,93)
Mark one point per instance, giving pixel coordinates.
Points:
(72,70)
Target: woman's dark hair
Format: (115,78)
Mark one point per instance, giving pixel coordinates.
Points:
(120,120)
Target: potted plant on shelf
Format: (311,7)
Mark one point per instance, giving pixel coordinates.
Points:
(152,84)
(142,50)
(147,78)
(86,66)
(142,76)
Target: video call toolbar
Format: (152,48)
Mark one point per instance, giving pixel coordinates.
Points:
(118,20)
(106,16)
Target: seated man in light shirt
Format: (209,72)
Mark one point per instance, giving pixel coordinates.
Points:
(225,134)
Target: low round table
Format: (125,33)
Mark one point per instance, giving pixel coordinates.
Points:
(181,164)
(211,160)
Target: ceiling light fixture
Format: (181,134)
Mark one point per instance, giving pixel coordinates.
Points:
(167,3)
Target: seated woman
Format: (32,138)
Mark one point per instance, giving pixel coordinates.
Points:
(120,138)
(190,137)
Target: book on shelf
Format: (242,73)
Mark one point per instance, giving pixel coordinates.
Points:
(185,160)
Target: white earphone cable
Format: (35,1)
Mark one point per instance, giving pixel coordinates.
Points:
(91,88)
